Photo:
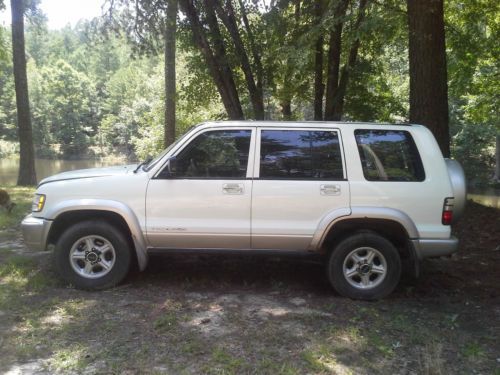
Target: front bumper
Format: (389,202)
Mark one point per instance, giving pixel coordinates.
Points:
(35,232)
(431,248)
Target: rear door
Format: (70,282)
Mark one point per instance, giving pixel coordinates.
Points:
(299,177)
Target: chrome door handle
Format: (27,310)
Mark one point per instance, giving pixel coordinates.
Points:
(233,189)
(330,189)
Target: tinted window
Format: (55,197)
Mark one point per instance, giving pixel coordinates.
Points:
(215,154)
(299,154)
(388,155)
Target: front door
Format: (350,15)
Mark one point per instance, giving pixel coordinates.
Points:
(205,202)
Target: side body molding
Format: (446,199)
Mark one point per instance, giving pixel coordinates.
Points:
(107,205)
(384,213)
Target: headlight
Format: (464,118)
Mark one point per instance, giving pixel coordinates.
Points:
(38,202)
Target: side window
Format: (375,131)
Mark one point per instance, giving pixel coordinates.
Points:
(389,155)
(215,154)
(300,154)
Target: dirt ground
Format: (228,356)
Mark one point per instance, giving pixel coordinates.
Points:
(244,315)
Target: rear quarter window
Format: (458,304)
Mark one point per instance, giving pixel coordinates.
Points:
(389,155)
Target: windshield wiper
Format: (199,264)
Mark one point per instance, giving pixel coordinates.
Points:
(147,161)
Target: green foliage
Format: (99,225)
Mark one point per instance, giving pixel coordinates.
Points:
(8,148)
(98,91)
(474,147)
(3,45)
(473,31)
(63,108)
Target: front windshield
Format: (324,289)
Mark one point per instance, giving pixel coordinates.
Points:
(155,161)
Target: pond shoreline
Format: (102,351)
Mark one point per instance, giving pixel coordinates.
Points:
(9,167)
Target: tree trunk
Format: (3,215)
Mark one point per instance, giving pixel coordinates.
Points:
(170,33)
(232,106)
(497,153)
(319,87)
(253,46)
(222,61)
(228,18)
(286,109)
(428,75)
(288,88)
(338,99)
(27,174)
(334,52)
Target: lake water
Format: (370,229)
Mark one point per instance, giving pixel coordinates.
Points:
(44,167)
(9,167)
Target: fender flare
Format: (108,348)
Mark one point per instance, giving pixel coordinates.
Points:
(341,214)
(124,211)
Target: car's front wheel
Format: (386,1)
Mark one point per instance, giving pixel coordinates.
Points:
(364,266)
(93,255)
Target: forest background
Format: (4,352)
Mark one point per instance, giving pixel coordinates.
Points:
(97,90)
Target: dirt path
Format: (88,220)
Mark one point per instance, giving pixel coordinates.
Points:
(240,315)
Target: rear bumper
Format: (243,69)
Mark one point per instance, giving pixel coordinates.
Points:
(431,248)
(35,232)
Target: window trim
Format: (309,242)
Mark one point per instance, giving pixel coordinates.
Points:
(192,137)
(274,128)
(412,145)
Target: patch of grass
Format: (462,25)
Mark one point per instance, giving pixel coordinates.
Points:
(193,346)
(272,367)
(71,358)
(377,341)
(20,273)
(166,322)
(473,351)
(319,359)
(169,318)
(22,197)
(223,362)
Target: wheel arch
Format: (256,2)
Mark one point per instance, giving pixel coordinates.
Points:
(68,213)
(391,223)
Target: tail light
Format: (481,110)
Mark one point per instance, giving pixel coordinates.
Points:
(447,216)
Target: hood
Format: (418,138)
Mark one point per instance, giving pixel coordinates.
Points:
(89,173)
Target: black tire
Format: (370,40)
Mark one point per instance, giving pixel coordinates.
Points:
(384,249)
(122,255)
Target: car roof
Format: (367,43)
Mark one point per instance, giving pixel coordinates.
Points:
(305,124)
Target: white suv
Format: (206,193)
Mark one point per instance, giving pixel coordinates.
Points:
(368,197)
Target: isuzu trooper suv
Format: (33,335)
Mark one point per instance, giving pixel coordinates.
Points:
(368,197)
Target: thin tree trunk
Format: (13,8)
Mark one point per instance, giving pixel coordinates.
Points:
(319,87)
(228,18)
(233,110)
(222,61)
(27,174)
(334,53)
(170,33)
(286,109)
(428,75)
(253,46)
(497,153)
(287,92)
(338,99)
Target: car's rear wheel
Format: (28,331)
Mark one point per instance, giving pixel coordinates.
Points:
(93,255)
(364,266)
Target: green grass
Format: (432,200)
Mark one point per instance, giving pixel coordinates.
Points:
(169,318)
(473,350)
(22,197)
(223,362)
(19,275)
(166,322)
